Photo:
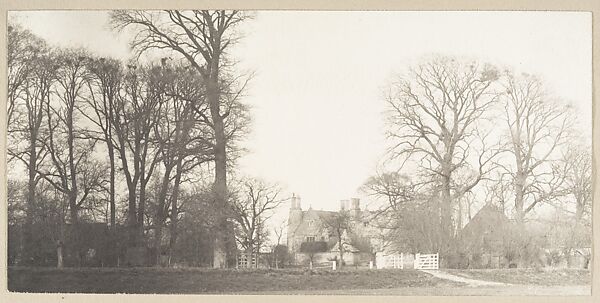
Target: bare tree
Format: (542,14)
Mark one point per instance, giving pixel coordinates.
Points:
(279,232)
(134,115)
(384,232)
(435,120)
(499,191)
(181,135)
(70,170)
(404,220)
(71,80)
(23,50)
(253,206)
(578,181)
(466,207)
(104,86)
(576,227)
(28,133)
(393,188)
(339,225)
(202,38)
(538,128)
(409,218)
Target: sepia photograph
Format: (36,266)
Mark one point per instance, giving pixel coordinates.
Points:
(299,152)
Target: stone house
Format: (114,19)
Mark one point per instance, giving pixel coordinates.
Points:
(307,226)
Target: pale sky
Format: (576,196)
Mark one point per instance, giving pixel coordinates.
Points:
(317,96)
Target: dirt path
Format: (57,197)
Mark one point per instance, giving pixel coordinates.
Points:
(512,290)
(470,282)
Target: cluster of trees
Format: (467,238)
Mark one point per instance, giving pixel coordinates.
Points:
(463,134)
(82,129)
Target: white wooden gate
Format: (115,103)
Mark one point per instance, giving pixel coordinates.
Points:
(245,260)
(397,261)
(427,261)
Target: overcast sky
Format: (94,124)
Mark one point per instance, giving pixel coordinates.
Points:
(317,94)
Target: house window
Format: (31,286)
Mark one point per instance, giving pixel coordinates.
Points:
(310,239)
(310,223)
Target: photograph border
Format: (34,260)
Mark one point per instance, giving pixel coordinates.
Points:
(592,6)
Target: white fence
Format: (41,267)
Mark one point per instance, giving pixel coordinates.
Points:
(427,261)
(390,261)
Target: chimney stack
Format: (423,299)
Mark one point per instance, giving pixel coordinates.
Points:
(296,202)
(355,204)
(344,204)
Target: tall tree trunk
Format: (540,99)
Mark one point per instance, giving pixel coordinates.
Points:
(469,204)
(113,210)
(111,157)
(341,255)
(459,221)
(158,231)
(142,202)
(220,151)
(75,233)
(59,255)
(446,211)
(174,210)
(520,175)
(28,247)
(579,208)
(519,186)
(61,242)
(519,199)
(159,218)
(72,193)
(131,189)
(132,216)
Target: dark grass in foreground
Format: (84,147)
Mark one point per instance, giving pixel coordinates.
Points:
(195,280)
(529,276)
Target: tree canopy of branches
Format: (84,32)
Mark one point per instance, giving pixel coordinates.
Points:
(538,127)
(154,120)
(72,171)
(104,85)
(435,117)
(23,51)
(394,188)
(253,205)
(578,181)
(203,39)
(182,136)
(440,117)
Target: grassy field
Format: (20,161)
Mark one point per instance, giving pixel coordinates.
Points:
(349,281)
(545,277)
(195,280)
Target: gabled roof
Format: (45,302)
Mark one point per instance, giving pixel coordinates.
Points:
(489,223)
(488,216)
(311,213)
